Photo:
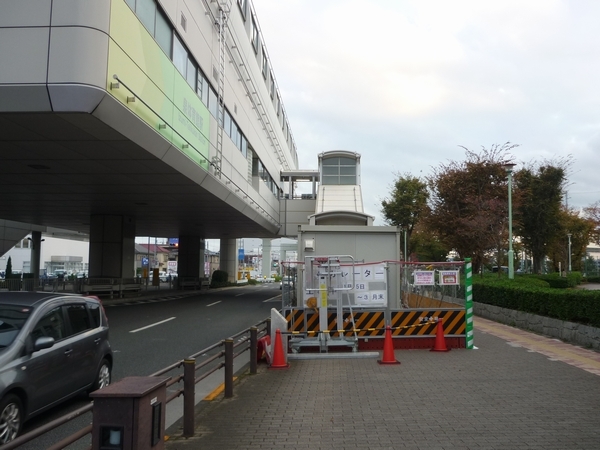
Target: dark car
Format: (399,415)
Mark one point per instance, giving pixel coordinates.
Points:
(52,347)
(288,282)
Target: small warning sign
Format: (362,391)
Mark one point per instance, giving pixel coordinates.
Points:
(449,277)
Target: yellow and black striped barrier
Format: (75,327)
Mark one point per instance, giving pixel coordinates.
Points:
(409,323)
(357,330)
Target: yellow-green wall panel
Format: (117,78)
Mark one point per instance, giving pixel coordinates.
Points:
(141,64)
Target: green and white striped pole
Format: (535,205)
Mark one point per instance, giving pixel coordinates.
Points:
(469,301)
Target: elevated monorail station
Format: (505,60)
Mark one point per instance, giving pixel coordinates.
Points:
(125,118)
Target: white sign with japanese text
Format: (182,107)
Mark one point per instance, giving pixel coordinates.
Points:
(369,288)
(424,277)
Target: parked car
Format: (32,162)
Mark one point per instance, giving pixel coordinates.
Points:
(52,347)
(61,274)
(287,281)
(162,276)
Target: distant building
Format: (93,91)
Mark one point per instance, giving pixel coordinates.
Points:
(67,255)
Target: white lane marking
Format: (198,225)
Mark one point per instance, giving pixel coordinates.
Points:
(152,325)
(211,304)
(272,298)
(243,293)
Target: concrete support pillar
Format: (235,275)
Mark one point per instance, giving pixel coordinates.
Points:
(112,246)
(266,258)
(228,258)
(36,253)
(203,269)
(191,256)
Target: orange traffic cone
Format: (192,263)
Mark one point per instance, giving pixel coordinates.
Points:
(278,356)
(440,341)
(388,349)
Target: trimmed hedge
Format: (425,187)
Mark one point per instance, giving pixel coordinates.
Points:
(219,279)
(533,295)
(555,280)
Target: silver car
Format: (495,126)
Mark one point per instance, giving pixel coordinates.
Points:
(52,347)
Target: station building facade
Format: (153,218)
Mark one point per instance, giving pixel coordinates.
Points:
(184,89)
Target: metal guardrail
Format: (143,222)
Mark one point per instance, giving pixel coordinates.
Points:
(245,340)
(111,286)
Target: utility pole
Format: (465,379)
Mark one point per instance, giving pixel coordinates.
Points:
(511,267)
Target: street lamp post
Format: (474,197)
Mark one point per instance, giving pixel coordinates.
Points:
(569,235)
(511,267)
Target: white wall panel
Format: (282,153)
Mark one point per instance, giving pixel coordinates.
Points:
(93,14)
(24,55)
(78,55)
(25,13)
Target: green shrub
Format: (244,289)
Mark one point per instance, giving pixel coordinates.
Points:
(534,295)
(252,281)
(557,281)
(220,276)
(219,279)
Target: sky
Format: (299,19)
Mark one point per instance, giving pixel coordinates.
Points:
(407,84)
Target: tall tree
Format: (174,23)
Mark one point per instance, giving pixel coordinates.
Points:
(469,202)
(540,192)
(580,229)
(593,213)
(8,271)
(426,246)
(407,203)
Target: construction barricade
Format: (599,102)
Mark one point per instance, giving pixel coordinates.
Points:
(428,306)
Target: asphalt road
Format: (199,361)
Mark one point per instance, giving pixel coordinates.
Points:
(147,337)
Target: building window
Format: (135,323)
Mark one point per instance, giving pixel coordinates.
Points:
(338,171)
(163,34)
(212,102)
(203,87)
(272,86)
(180,56)
(191,73)
(265,64)
(242,4)
(227,123)
(244,146)
(254,31)
(146,11)
(235,134)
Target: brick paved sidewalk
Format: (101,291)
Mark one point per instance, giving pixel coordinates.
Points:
(500,396)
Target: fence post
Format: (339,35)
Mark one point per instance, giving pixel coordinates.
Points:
(228,368)
(469,302)
(253,350)
(189,396)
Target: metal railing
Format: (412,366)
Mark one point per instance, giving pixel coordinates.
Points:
(111,286)
(217,356)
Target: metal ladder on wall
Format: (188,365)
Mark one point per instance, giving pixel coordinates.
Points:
(221,24)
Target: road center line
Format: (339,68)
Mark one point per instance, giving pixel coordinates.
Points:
(272,299)
(211,304)
(152,325)
(243,293)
